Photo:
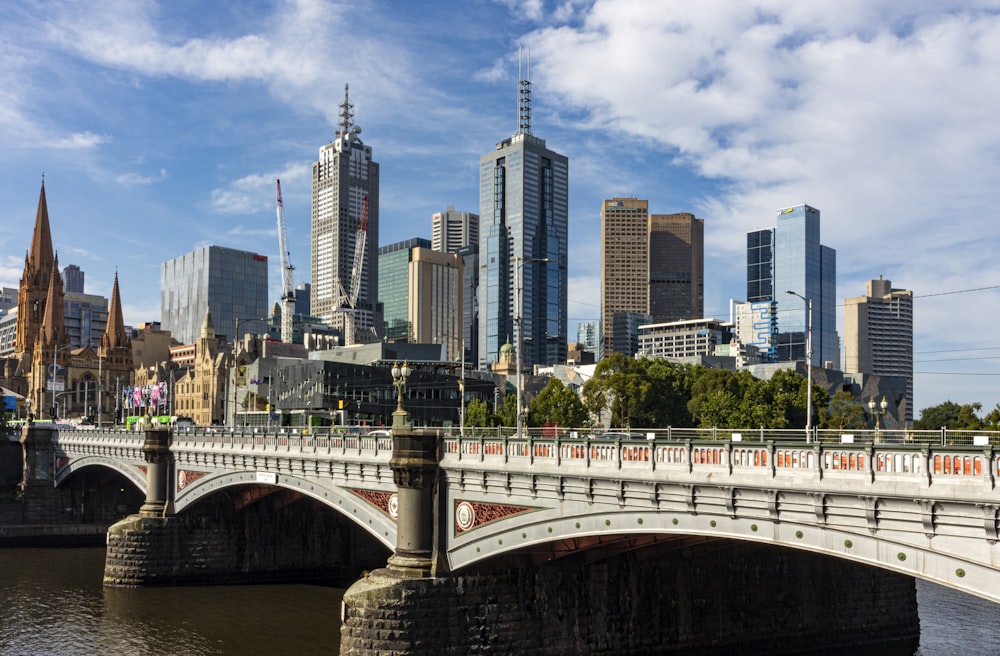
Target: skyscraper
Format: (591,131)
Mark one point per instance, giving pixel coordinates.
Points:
(624,268)
(878,335)
(676,267)
(523,245)
(343,177)
(422,294)
(229,283)
(652,270)
(73,279)
(790,257)
(451,230)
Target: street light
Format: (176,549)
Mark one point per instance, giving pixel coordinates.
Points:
(399,376)
(877,411)
(518,319)
(809,360)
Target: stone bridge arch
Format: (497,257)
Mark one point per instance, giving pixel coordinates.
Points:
(370,510)
(612,531)
(66,467)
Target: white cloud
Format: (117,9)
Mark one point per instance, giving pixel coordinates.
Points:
(132,178)
(78,140)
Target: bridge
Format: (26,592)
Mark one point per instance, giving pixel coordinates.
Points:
(924,505)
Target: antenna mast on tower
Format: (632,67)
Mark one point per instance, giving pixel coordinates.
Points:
(524,96)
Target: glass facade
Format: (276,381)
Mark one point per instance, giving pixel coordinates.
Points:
(791,258)
(229,283)
(393,290)
(85,317)
(524,216)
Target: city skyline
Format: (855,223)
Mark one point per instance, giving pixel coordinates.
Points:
(169,137)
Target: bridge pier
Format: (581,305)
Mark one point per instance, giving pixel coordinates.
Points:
(41,503)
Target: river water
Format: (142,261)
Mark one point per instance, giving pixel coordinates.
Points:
(52,602)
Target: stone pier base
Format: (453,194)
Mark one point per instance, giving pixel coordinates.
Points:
(737,600)
(213,545)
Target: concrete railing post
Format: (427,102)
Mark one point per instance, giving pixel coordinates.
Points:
(159,491)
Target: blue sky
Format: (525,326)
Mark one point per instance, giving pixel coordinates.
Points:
(161,126)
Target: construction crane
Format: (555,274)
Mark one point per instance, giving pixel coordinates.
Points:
(359,255)
(287,278)
(349,300)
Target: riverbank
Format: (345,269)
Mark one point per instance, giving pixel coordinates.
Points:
(53,535)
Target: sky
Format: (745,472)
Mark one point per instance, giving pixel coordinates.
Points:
(160,127)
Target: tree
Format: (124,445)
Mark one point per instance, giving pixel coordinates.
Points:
(950,415)
(477,413)
(843,411)
(557,405)
(507,413)
(619,386)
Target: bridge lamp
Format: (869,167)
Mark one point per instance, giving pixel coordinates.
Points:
(399,375)
(877,411)
(809,360)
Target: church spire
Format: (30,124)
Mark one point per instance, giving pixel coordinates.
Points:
(33,290)
(40,255)
(114,333)
(53,331)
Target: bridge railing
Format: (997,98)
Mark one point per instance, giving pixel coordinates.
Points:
(925,462)
(943,436)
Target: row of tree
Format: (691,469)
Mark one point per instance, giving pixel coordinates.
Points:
(654,393)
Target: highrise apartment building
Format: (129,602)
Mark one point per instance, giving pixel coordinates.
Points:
(652,266)
(523,246)
(452,231)
(878,335)
(790,257)
(73,278)
(342,178)
(229,283)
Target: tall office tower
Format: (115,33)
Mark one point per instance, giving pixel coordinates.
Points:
(72,279)
(523,246)
(878,335)
(394,289)
(451,230)
(342,178)
(470,300)
(229,283)
(791,258)
(625,239)
(676,267)
(422,295)
(85,317)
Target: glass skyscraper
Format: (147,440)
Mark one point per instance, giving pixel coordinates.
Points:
(229,283)
(524,219)
(791,258)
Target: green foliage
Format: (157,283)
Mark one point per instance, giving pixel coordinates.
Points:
(640,392)
(951,415)
(507,413)
(557,405)
(478,413)
(843,412)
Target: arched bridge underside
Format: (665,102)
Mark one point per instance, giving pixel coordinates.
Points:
(926,511)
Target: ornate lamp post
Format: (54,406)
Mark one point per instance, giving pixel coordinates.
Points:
(809,364)
(877,411)
(400,418)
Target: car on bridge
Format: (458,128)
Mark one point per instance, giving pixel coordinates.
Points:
(617,435)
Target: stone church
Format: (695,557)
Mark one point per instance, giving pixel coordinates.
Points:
(55,379)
